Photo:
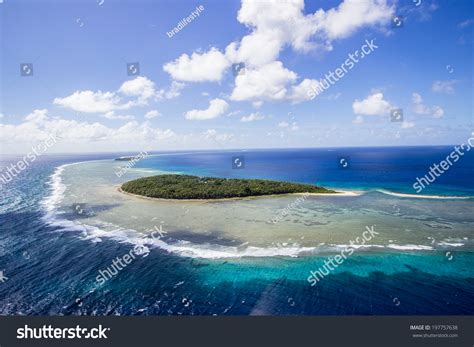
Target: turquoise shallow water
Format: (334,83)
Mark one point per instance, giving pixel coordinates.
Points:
(364,265)
(257,227)
(225,258)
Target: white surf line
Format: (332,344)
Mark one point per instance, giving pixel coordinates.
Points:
(450,244)
(186,248)
(416,196)
(181,248)
(57,188)
(338,193)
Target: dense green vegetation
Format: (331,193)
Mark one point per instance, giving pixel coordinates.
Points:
(193,187)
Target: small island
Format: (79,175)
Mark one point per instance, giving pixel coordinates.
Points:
(187,187)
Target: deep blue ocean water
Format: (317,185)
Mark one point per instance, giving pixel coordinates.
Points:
(392,168)
(51,271)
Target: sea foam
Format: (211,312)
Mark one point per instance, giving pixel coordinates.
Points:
(184,248)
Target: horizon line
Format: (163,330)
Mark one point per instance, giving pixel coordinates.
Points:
(228,149)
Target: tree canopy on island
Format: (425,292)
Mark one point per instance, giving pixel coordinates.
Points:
(194,187)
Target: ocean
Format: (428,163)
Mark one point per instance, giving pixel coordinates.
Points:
(63,222)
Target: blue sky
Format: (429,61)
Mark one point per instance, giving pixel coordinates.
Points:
(186,96)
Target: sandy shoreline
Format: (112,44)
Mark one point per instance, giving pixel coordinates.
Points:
(337,193)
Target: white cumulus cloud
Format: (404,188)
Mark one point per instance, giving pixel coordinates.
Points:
(373,105)
(252,117)
(140,87)
(198,67)
(216,108)
(419,107)
(351,15)
(274,25)
(92,102)
(269,82)
(152,114)
(39,125)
